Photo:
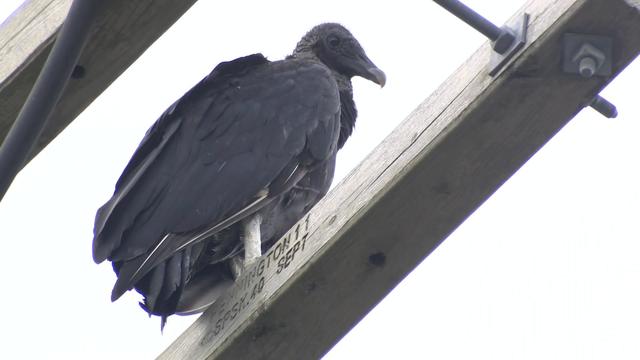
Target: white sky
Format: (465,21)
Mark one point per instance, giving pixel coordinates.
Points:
(546,269)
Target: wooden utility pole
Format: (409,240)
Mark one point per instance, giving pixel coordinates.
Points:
(433,171)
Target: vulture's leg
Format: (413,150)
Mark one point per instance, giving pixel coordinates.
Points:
(252,245)
(252,241)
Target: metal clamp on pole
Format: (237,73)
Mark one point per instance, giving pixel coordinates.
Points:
(506,41)
(589,56)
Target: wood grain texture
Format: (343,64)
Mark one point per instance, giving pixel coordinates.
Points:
(25,34)
(410,193)
(122,32)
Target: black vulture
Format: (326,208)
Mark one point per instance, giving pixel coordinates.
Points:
(231,165)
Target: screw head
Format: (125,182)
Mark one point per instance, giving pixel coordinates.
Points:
(587,66)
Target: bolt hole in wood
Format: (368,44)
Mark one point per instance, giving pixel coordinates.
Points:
(260,331)
(378,259)
(78,72)
(311,287)
(442,188)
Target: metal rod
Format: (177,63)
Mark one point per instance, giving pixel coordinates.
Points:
(475,20)
(604,107)
(47,90)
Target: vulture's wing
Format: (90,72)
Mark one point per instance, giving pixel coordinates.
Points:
(242,136)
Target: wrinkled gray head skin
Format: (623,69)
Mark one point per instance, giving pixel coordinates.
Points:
(336,47)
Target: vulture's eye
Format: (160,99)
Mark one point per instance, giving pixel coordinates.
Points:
(333,41)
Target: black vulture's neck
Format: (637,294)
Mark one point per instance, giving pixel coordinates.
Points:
(348,111)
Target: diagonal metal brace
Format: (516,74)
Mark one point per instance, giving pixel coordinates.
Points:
(506,41)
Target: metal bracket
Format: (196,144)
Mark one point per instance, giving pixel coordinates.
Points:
(587,55)
(519,30)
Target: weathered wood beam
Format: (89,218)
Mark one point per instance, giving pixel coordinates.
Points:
(123,31)
(433,171)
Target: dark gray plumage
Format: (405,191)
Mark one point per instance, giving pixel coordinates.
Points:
(254,137)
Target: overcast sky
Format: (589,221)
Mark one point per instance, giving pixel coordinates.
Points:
(547,268)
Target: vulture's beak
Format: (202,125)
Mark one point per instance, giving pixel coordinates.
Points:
(368,70)
(377,76)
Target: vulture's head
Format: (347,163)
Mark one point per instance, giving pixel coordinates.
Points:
(335,46)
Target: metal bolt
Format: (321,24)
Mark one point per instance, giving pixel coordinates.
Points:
(587,66)
(504,41)
(587,60)
(589,56)
(604,107)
